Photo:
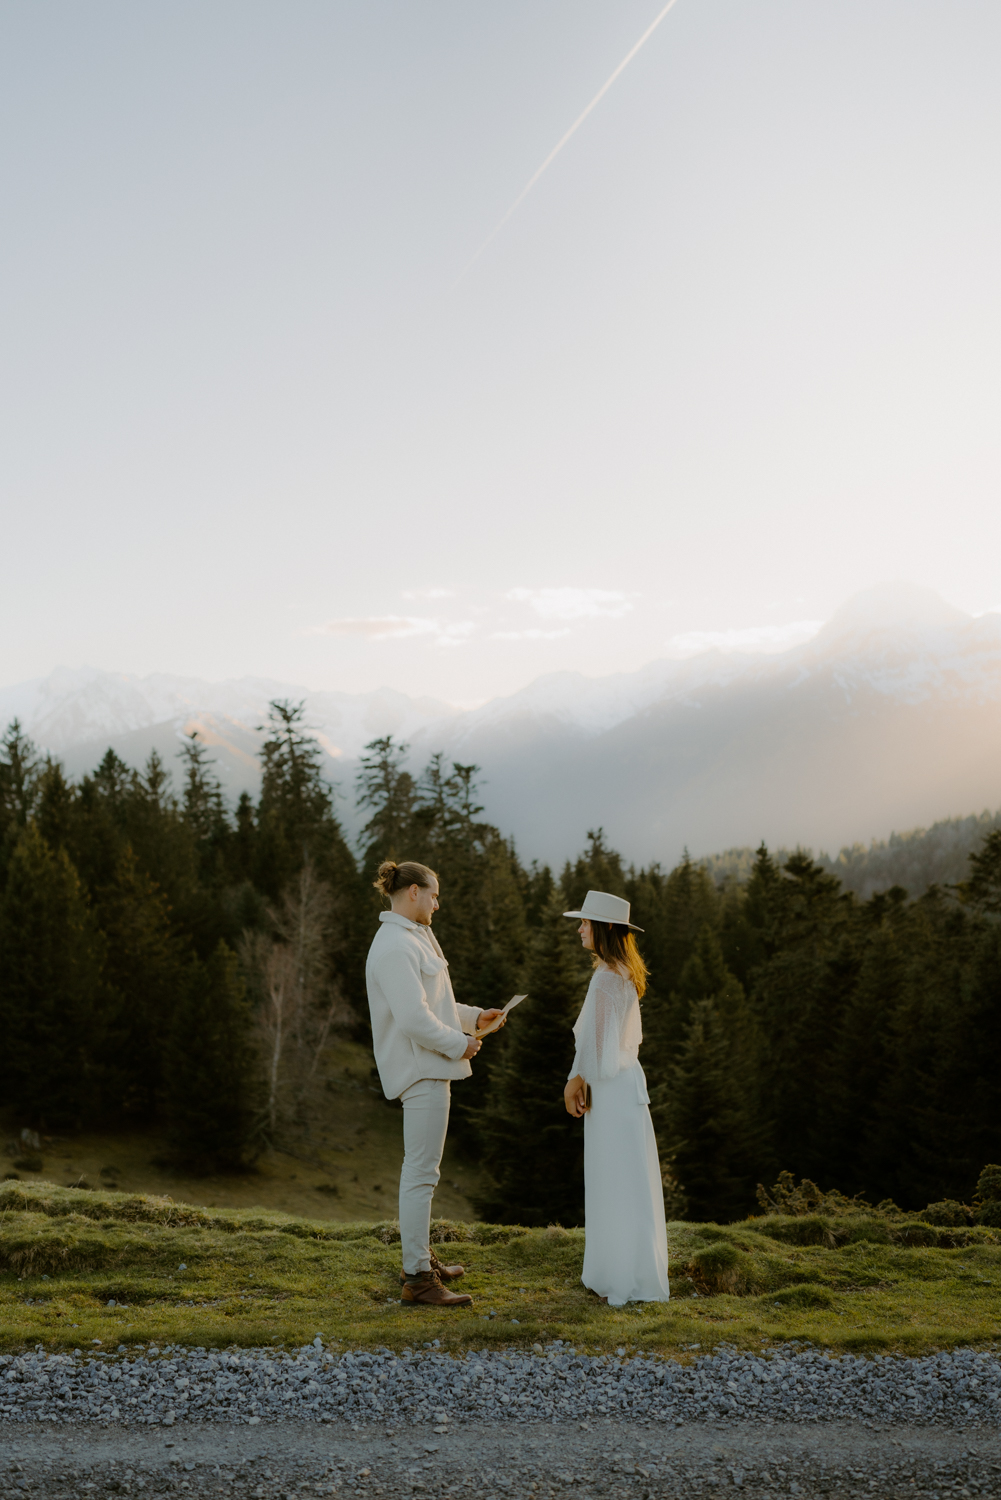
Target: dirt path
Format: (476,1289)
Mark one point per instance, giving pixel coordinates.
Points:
(842,1459)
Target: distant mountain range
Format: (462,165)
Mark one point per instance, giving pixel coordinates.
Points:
(888,718)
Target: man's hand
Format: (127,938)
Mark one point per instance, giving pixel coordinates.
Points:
(486,1016)
(574,1097)
(472,1049)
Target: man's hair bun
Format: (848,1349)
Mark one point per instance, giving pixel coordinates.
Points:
(394,877)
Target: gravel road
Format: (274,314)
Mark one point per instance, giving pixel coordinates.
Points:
(266,1424)
(490,1462)
(789,1385)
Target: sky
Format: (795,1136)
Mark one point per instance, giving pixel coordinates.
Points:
(265,409)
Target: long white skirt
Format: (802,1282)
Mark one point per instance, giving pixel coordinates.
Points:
(625,1247)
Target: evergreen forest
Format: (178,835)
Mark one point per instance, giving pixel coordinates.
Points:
(167,959)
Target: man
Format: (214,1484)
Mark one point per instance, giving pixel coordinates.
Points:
(422,1039)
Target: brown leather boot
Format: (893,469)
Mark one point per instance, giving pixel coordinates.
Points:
(445,1273)
(426,1287)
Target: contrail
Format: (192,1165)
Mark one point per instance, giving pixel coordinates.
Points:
(554,153)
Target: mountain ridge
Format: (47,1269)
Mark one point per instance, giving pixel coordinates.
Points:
(889,717)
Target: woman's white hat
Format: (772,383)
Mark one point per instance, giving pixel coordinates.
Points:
(599,906)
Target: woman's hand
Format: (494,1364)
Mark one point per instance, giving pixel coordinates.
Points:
(574,1097)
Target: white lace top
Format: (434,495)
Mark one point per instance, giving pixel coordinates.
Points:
(608,1030)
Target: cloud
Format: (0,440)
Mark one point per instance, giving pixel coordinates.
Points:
(428,594)
(574,604)
(529,635)
(377,627)
(765,638)
(396,628)
(455,633)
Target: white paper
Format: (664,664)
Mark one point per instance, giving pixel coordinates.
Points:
(493,1025)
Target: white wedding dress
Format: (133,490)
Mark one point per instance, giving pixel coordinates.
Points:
(625,1248)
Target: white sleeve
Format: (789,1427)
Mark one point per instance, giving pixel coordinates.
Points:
(599,1027)
(469,1016)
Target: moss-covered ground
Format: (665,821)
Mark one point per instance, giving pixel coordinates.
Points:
(189,1275)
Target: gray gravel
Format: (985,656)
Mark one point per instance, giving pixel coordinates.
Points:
(172,1387)
(480,1459)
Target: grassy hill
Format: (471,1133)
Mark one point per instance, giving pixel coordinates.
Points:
(184,1274)
(345,1167)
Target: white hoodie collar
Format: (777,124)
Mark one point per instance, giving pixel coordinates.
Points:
(401,921)
(422,932)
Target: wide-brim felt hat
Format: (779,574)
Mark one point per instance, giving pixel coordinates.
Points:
(601,906)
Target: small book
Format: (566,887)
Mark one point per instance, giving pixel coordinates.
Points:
(493,1025)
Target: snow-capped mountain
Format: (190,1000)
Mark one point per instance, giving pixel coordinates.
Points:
(890,716)
(76,715)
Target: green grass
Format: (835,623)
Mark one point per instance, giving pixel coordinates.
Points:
(258,1277)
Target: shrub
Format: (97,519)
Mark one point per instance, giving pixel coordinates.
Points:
(721,1267)
(949,1212)
(785,1197)
(811,1230)
(987,1203)
(801,1296)
(917,1233)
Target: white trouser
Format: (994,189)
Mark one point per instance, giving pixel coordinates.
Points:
(425,1121)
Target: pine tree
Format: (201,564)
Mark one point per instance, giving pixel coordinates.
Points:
(704,976)
(672,910)
(687,905)
(705,1099)
(56,808)
(538,888)
(418,816)
(798,998)
(50,987)
(762,897)
(599,868)
(983,888)
(118,808)
(145,967)
(295,818)
(19,773)
(204,812)
(96,832)
(244,848)
(480,922)
(852,1079)
(210,1069)
(533,1151)
(296,826)
(937,1113)
(388,792)
(978,1076)
(710,1127)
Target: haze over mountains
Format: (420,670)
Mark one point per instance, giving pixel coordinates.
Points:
(888,718)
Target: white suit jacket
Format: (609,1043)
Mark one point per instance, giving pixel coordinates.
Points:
(418,1028)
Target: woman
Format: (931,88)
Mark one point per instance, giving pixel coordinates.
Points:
(625,1248)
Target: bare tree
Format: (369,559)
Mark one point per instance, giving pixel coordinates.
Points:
(298,998)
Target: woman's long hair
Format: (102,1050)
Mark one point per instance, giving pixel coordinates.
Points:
(615,945)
